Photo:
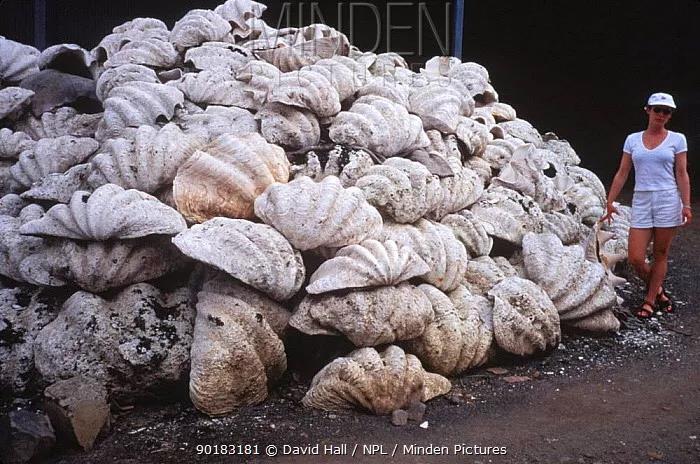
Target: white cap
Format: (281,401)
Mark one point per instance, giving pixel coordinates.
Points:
(661,99)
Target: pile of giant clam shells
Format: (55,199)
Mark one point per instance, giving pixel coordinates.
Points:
(298,185)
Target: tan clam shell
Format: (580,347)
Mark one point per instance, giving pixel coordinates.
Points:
(296,56)
(324,214)
(470,231)
(400,189)
(525,321)
(343,73)
(290,127)
(134,104)
(440,105)
(17,60)
(386,87)
(379,383)
(437,245)
(225,177)
(476,312)
(367,317)
(235,357)
(458,192)
(146,163)
(481,167)
(388,62)
(101,266)
(51,156)
(255,254)
(368,264)
(261,78)
(484,272)
(474,135)
(63,121)
(114,77)
(379,125)
(306,89)
(12,144)
(197,27)
(110,212)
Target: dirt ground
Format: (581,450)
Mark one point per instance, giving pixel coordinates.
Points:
(629,398)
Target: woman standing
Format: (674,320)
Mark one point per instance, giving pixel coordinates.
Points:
(661,200)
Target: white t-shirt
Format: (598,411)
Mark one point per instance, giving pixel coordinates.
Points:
(653,169)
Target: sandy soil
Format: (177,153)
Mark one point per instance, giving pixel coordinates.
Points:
(630,398)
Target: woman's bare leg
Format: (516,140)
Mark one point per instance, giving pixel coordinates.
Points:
(663,236)
(637,245)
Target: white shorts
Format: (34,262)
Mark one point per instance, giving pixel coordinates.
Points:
(662,208)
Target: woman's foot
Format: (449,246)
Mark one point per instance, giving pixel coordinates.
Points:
(645,311)
(664,301)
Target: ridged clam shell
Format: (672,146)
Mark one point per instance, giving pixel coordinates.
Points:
(290,127)
(566,227)
(225,177)
(235,355)
(114,77)
(586,203)
(136,29)
(376,382)
(219,120)
(454,341)
(100,266)
(562,149)
(320,31)
(367,317)
(477,313)
(481,167)
(255,254)
(440,105)
(620,227)
(53,89)
(312,215)
(484,272)
(63,121)
(212,87)
(14,101)
(458,192)
(14,248)
(579,288)
(368,264)
(343,74)
(110,212)
(440,65)
(386,87)
(525,320)
(437,245)
(401,190)
(469,230)
(473,135)
(7,184)
(14,143)
(237,12)
(49,156)
(523,130)
(146,163)
(476,79)
(501,112)
(11,205)
(388,62)
(155,53)
(589,179)
(508,215)
(498,152)
(379,125)
(60,187)
(134,104)
(296,56)
(68,58)
(595,251)
(346,164)
(306,89)
(197,27)
(17,60)
(218,55)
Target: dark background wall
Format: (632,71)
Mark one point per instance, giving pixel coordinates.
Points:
(581,69)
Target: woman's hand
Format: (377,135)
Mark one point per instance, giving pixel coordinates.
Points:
(610,210)
(687,215)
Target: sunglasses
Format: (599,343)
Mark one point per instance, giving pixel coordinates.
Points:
(662,109)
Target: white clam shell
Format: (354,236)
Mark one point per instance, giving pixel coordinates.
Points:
(312,215)
(60,187)
(367,317)
(136,29)
(237,12)
(440,105)
(146,163)
(368,264)
(498,152)
(376,382)
(290,127)
(17,60)
(346,164)
(15,248)
(218,55)
(114,77)
(14,143)
(110,212)
(437,245)
(470,231)
(343,73)
(255,254)
(306,89)
(63,121)
(522,130)
(235,357)
(226,176)
(151,52)
(14,101)
(197,27)
(379,125)
(484,272)
(525,321)
(458,192)
(476,79)
(51,156)
(218,120)
(214,87)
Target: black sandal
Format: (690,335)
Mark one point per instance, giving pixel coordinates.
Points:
(664,305)
(645,311)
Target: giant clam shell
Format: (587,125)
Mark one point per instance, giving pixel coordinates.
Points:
(17,61)
(197,27)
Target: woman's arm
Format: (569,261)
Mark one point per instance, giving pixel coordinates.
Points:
(683,182)
(618,182)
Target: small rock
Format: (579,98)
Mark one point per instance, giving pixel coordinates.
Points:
(497,370)
(416,411)
(516,379)
(399,417)
(424,425)
(25,436)
(78,409)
